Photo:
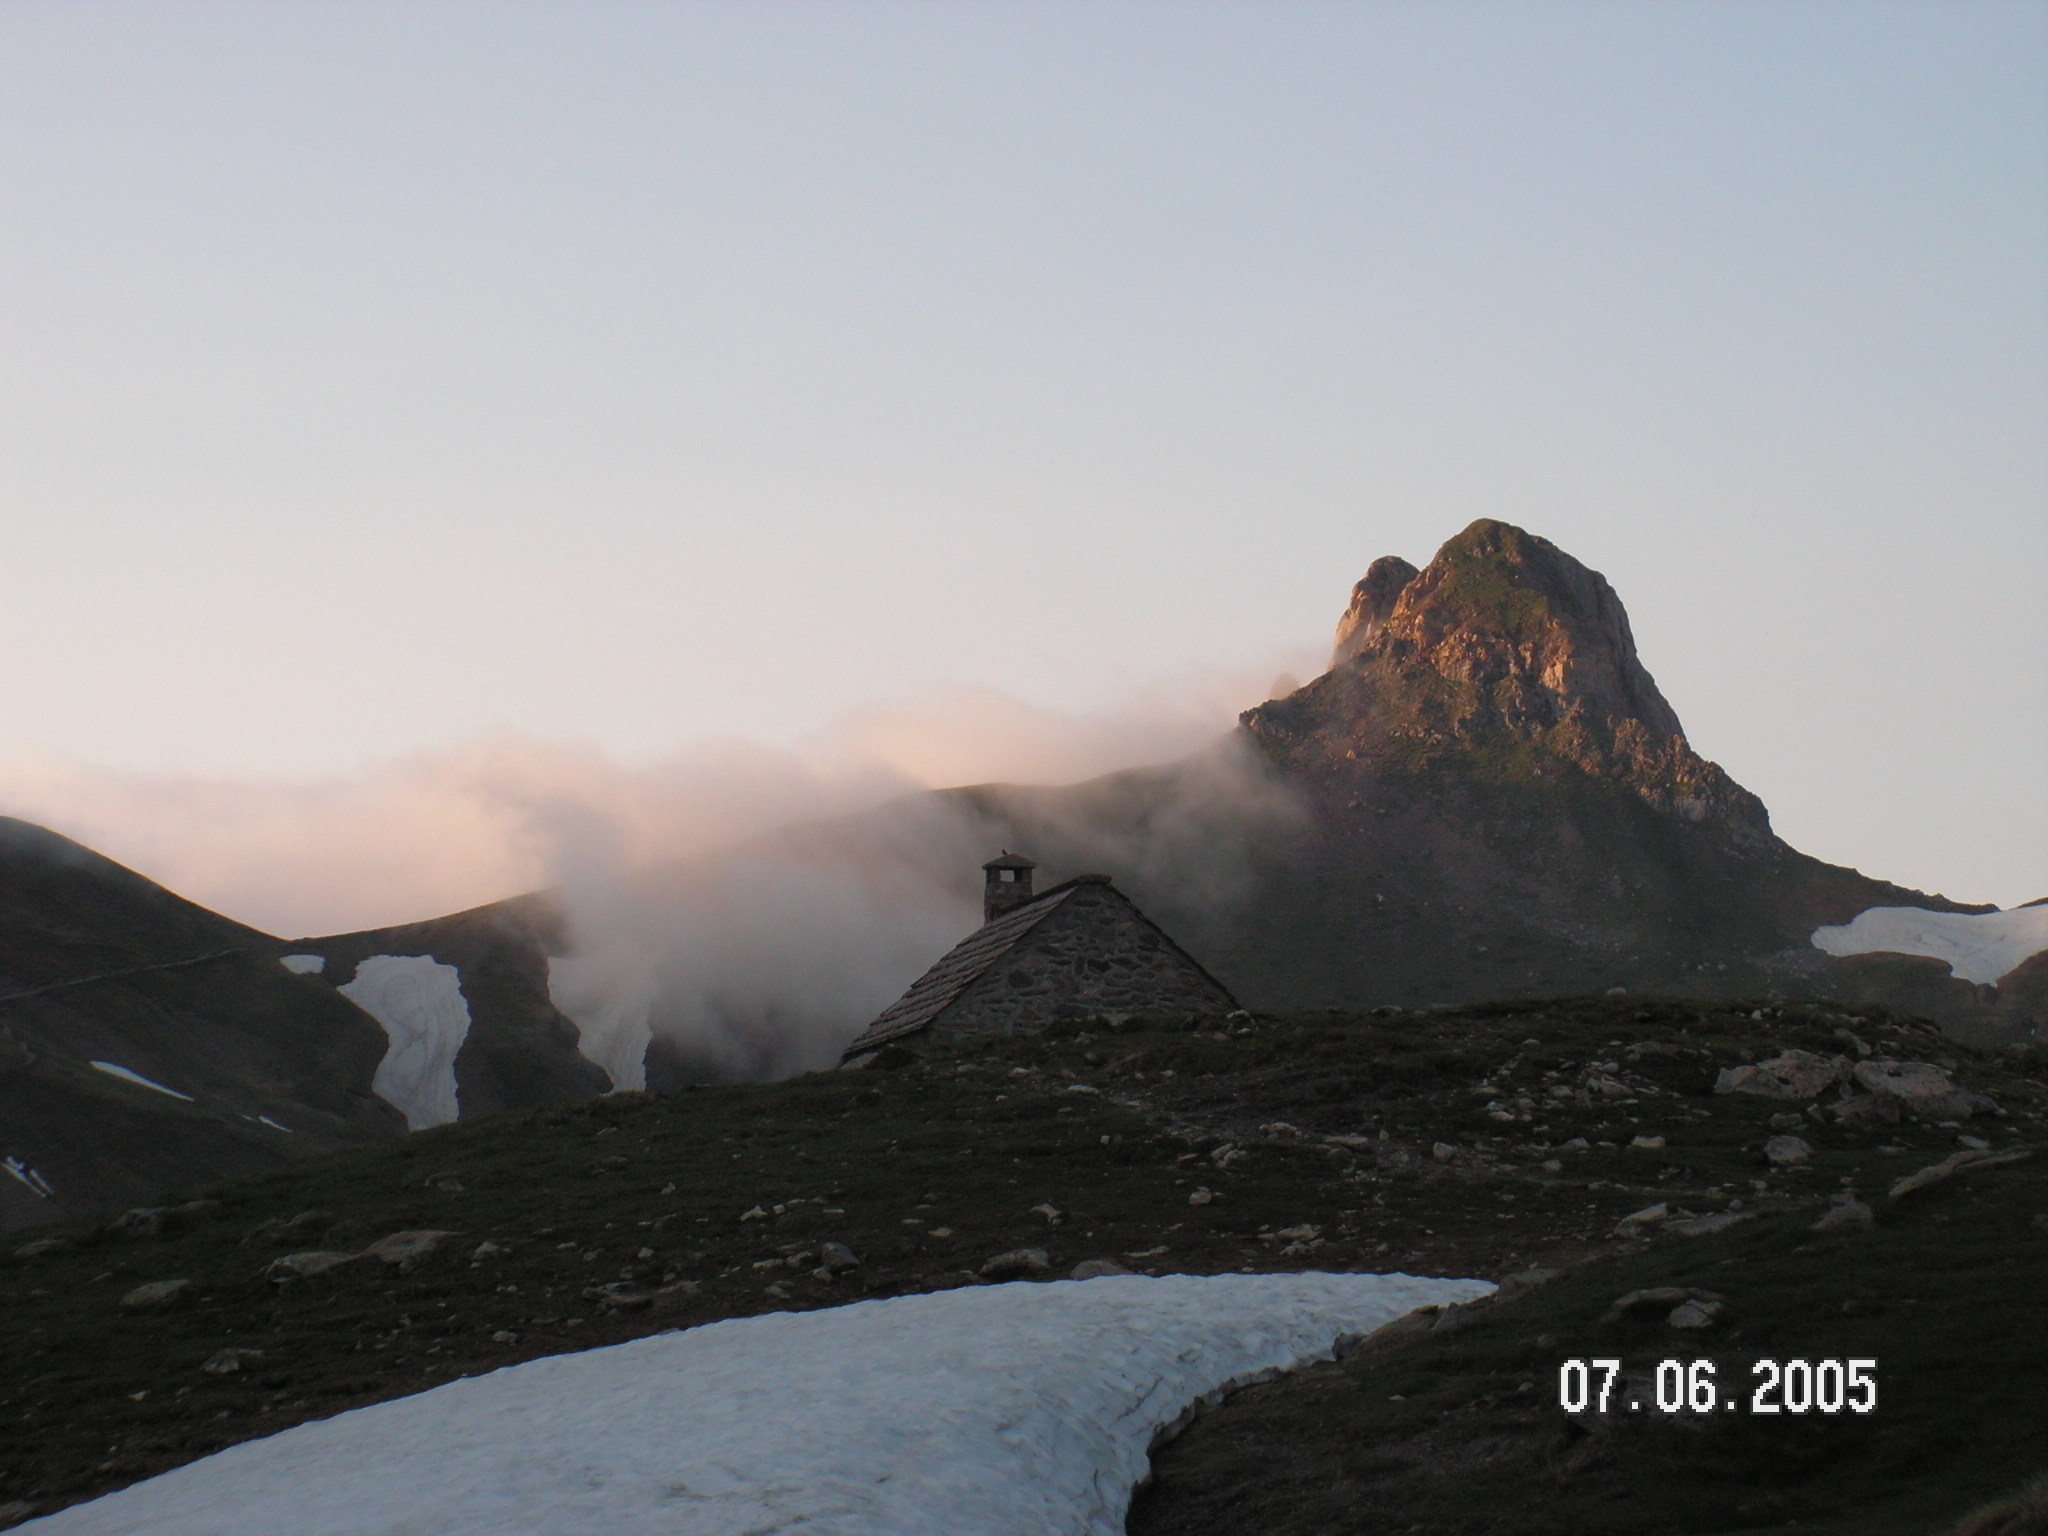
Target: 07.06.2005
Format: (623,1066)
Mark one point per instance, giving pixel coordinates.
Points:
(1791,1386)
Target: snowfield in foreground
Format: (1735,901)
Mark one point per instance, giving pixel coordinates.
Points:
(1022,1408)
(1978,946)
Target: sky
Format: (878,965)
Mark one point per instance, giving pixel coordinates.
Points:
(410,413)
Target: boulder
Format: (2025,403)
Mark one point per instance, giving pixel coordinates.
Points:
(1695,1314)
(226,1362)
(1701,1226)
(1948,1168)
(1916,1087)
(836,1258)
(155,1296)
(301,1266)
(1095,1269)
(1792,1075)
(1787,1151)
(406,1249)
(620,1296)
(40,1246)
(1017,1264)
(1847,1214)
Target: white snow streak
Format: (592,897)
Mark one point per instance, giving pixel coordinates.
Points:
(419,1002)
(138,1079)
(610,1006)
(1022,1408)
(1978,946)
(303,965)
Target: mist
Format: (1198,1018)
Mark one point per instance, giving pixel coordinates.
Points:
(737,909)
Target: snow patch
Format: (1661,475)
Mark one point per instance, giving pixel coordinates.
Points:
(21,1172)
(419,1002)
(303,965)
(610,1005)
(138,1079)
(1978,946)
(1023,1408)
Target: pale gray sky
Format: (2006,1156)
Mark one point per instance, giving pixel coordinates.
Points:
(376,377)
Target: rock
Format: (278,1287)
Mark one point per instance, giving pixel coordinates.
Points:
(1523,1281)
(621,1296)
(225,1362)
(1950,1167)
(1049,1211)
(1790,1120)
(1301,1234)
(1792,1075)
(836,1258)
(756,1214)
(504,1336)
(1443,1152)
(1695,1314)
(1648,1143)
(406,1249)
(1974,1143)
(1700,1226)
(447,1183)
(1916,1087)
(40,1246)
(489,1250)
(1787,1151)
(1095,1269)
(143,1222)
(1017,1264)
(1847,1214)
(156,1295)
(1372,600)
(1201,1197)
(1576,1144)
(1656,1298)
(301,1266)
(1635,1221)
(1863,1110)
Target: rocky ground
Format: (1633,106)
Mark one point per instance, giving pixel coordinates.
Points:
(1737,1163)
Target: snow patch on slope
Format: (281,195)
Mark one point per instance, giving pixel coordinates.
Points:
(419,1002)
(303,965)
(1978,946)
(126,1076)
(1026,1409)
(610,1005)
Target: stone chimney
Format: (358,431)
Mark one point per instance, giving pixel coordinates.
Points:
(1008,886)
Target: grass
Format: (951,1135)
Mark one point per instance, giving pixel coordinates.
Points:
(965,1151)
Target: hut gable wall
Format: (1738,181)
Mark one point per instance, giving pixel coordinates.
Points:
(1096,954)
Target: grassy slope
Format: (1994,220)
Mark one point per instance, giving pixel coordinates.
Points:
(971,1139)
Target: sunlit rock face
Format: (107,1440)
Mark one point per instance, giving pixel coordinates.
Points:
(1371,601)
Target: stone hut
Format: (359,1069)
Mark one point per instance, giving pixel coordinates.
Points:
(1078,950)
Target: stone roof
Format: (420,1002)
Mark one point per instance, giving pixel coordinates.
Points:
(964,964)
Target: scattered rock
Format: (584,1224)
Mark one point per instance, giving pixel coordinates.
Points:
(835,1258)
(1201,1197)
(406,1249)
(1793,1075)
(156,1295)
(447,1183)
(1017,1264)
(40,1246)
(1648,1143)
(756,1214)
(1949,1167)
(1301,1234)
(1787,1151)
(158,1220)
(1443,1152)
(1847,1214)
(1576,1144)
(1790,1120)
(1695,1314)
(1095,1269)
(504,1336)
(225,1362)
(1863,1110)
(1974,1143)
(489,1250)
(1049,1211)
(301,1266)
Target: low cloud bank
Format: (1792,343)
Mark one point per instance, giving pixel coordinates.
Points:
(740,909)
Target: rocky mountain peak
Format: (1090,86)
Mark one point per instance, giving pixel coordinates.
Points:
(1503,653)
(1504,610)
